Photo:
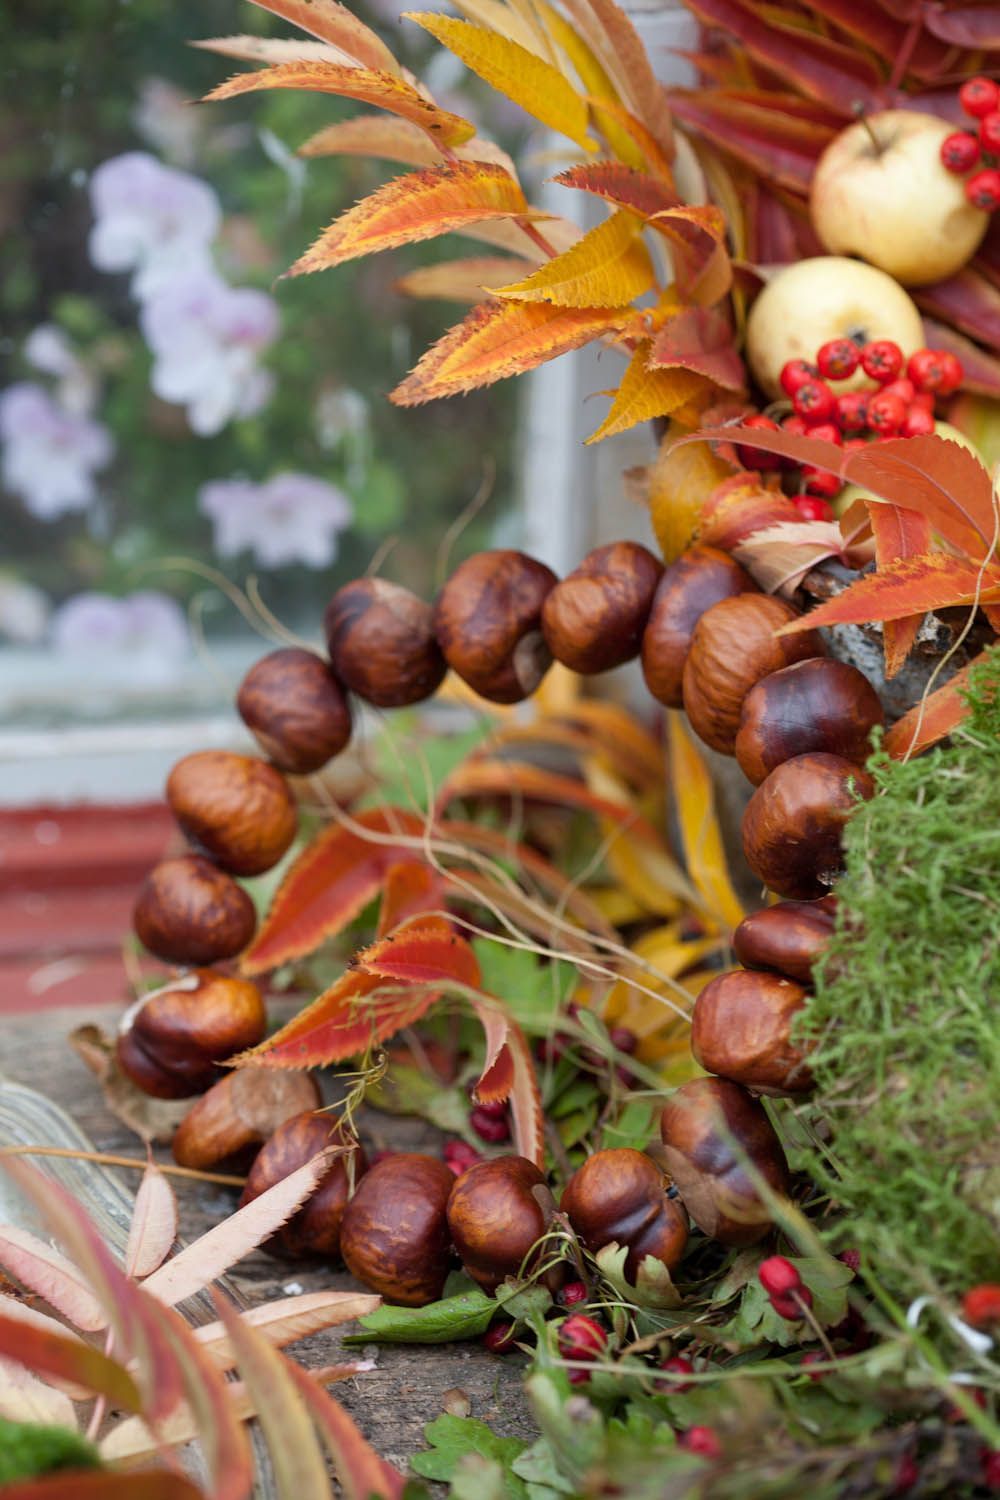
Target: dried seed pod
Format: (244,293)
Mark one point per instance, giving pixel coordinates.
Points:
(495,1218)
(741,1029)
(239,810)
(733,647)
(701,577)
(238,1114)
(620,1196)
(488,620)
(381,641)
(594,619)
(188,911)
(819,704)
(789,937)
(315,1229)
(711,1129)
(170,1041)
(296,708)
(394,1233)
(793,823)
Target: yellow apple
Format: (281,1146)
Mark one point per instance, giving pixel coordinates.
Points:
(827,297)
(880,191)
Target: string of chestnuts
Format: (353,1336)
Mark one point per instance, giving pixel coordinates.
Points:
(798,723)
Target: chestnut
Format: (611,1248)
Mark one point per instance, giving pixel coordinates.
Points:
(793,823)
(381,641)
(621,1196)
(238,1114)
(237,809)
(170,1041)
(741,1029)
(819,704)
(315,1229)
(297,710)
(788,937)
(394,1233)
(488,619)
(495,1219)
(711,1128)
(701,576)
(188,911)
(733,647)
(594,619)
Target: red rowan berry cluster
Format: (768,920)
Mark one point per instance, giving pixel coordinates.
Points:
(964,150)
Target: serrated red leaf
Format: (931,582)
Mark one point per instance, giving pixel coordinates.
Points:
(937,477)
(425,952)
(898,533)
(914,585)
(781,146)
(362,1474)
(702,267)
(411,889)
(884,35)
(622,185)
(931,719)
(699,339)
(527,1115)
(346,1019)
(779,229)
(804,450)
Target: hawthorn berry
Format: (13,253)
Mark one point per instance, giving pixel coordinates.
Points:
(701,1440)
(917,423)
(795,425)
(814,1357)
(851,1259)
(852,411)
(459,1156)
(838,359)
(882,360)
(934,372)
(813,508)
(991,1468)
(960,152)
(488,1126)
(819,482)
(989,131)
(981,1305)
(906,1475)
(572,1293)
(828,432)
(756,458)
(795,372)
(903,388)
(792,1305)
(675,1369)
(886,415)
(978,97)
(778,1276)
(499,1337)
(581,1337)
(983,189)
(814,402)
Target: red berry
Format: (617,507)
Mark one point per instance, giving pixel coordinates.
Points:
(459,1156)
(676,1368)
(851,1259)
(902,388)
(572,1293)
(960,152)
(499,1337)
(827,432)
(989,131)
(978,97)
(488,1127)
(814,1357)
(923,401)
(882,360)
(991,1468)
(932,371)
(779,1275)
(954,374)
(581,1337)
(756,458)
(578,1376)
(906,1475)
(983,189)
(623,1039)
(838,359)
(795,425)
(852,411)
(813,508)
(886,415)
(819,482)
(814,402)
(790,1305)
(496,1109)
(981,1305)
(700,1440)
(795,372)
(917,423)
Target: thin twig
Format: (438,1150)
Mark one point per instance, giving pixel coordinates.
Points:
(106,1159)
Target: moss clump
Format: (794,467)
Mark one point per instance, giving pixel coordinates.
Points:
(906,1015)
(27,1448)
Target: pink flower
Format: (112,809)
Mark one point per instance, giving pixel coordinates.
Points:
(150,219)
(50,455)
(146,632)
(293,518)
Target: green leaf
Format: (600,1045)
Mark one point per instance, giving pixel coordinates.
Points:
(532,993)
(411,778)
(633,1128)
(405,1090)
(453,1438)
(462,1317)
(29,1448)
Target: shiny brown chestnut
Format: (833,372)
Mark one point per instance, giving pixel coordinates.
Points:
(488,620)
(789,937)
(188,911)
(238,809)
(620,1196)
(315,1229)
(297,710)
(394,1233)
(170,1041)
(594,619)
(793,823)
(711,1128)
(495,1219)
(734,645)
(741,1028)
(818,704)
(701,576)
(381,641)
(238,1114)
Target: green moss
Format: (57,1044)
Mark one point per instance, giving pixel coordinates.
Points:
(906,1015)
(27,1449)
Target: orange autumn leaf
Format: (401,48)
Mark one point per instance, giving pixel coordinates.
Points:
(334,23)
(499,339)
(622,185)
(679,480)
(699,339)
(417,206)
(596,82)
(367,85)
(410,889)
(898,532)
(513,71)
(697,238)
(645,393)
(931,719)
(504,778)
(462,280)
(608,267)
(610,117)
(910,586)
(391,138)
(694,800)
(357,1012)
(272,49)
(937,477)
(614,39)
(427,951)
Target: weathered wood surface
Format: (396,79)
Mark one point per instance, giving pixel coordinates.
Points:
(394,1401)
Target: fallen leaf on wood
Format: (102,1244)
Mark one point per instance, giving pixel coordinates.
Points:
(153,1120)
(288,1319)
(46,1271)
(154,1224)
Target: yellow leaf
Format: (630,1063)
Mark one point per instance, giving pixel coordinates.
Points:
(679,481)
(646,393)
(418,206)
(494,15)
(647,870)
(618,905)
(608,267)
(512,70)
(392,139)
(695,803)
(610,116)
(595,80)
(614,38)
(460,280)
(364,84)
(498,339)
(665,956)
(274,49)
(334,23)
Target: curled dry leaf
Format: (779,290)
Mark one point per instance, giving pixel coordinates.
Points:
(286,1320)
(154,1224)
(780,556)
(152,1120)
(47,1272)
